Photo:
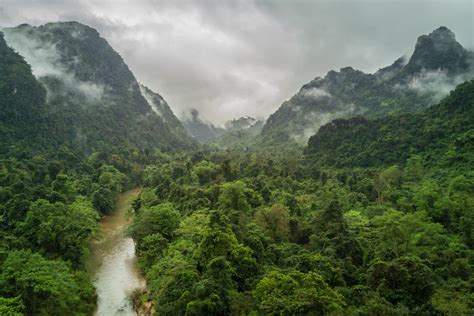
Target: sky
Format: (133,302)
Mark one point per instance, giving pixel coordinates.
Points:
(236,58)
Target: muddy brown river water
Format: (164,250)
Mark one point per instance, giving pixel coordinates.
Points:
(112,262)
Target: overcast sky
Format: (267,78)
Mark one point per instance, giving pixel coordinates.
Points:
(234,58)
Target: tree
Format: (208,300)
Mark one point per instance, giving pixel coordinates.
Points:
(150,250)
(233,197)
(404,280)
(46,287)
(61,230)
(296,293)
(212,291)
(332,236)
(451,302)
(11,306)
(414,170)
(386,183)
(112,179)
(162,218)
(205,172)
(274,221)
(398,234)
(103,200)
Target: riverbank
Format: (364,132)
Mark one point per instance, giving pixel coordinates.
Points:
(113,263)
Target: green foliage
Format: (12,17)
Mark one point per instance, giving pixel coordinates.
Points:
(264,233)
(162,219)
(22,100)
(86,109)
(441,134)
(275,222)
(375,219)
(294,293)
(407,86)
(233,197)
(11,306)
(60,229)
(46,287)
(406,279)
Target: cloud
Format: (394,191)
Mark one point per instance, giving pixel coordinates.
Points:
(151,102)
(315,119)
(236,58)
(45,61)
(434,83)
(315,93)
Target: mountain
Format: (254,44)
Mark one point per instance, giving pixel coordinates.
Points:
(241,123)
(201,130)
(92,96)
(23,123)
(437,65)
(443,133)
(163,110)
(241,133)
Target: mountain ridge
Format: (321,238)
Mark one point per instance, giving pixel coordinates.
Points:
(443,133)
(91,93)
(407,85)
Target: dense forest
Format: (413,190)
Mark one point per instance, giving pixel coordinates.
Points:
(55,183)
(253,233)
(373,216)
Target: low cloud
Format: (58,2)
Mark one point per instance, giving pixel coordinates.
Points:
(316,93)
(45,61)
(235,58)
(315,119)
(194,115)
(436,83)
(150,99)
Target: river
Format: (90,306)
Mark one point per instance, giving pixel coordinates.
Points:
(113,263)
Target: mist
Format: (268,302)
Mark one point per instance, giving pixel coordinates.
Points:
(436,83)
(151,102)
(236,58)
(45,61)
(315,119)
(316,93)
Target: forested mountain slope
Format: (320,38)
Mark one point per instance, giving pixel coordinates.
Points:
(163,110)
(23,123)
(77,129)
(389,233)
(241,134)
(443,133)
(93,98)
(437,65)
(375,219)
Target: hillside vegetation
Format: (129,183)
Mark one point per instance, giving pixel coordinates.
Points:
(374,217)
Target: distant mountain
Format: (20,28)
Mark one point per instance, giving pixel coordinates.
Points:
(200,129)
(92,96)
(241,133)
(443,133)
(437,65)
(240,123)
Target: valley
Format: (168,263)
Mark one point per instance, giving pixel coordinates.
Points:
(355,197)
